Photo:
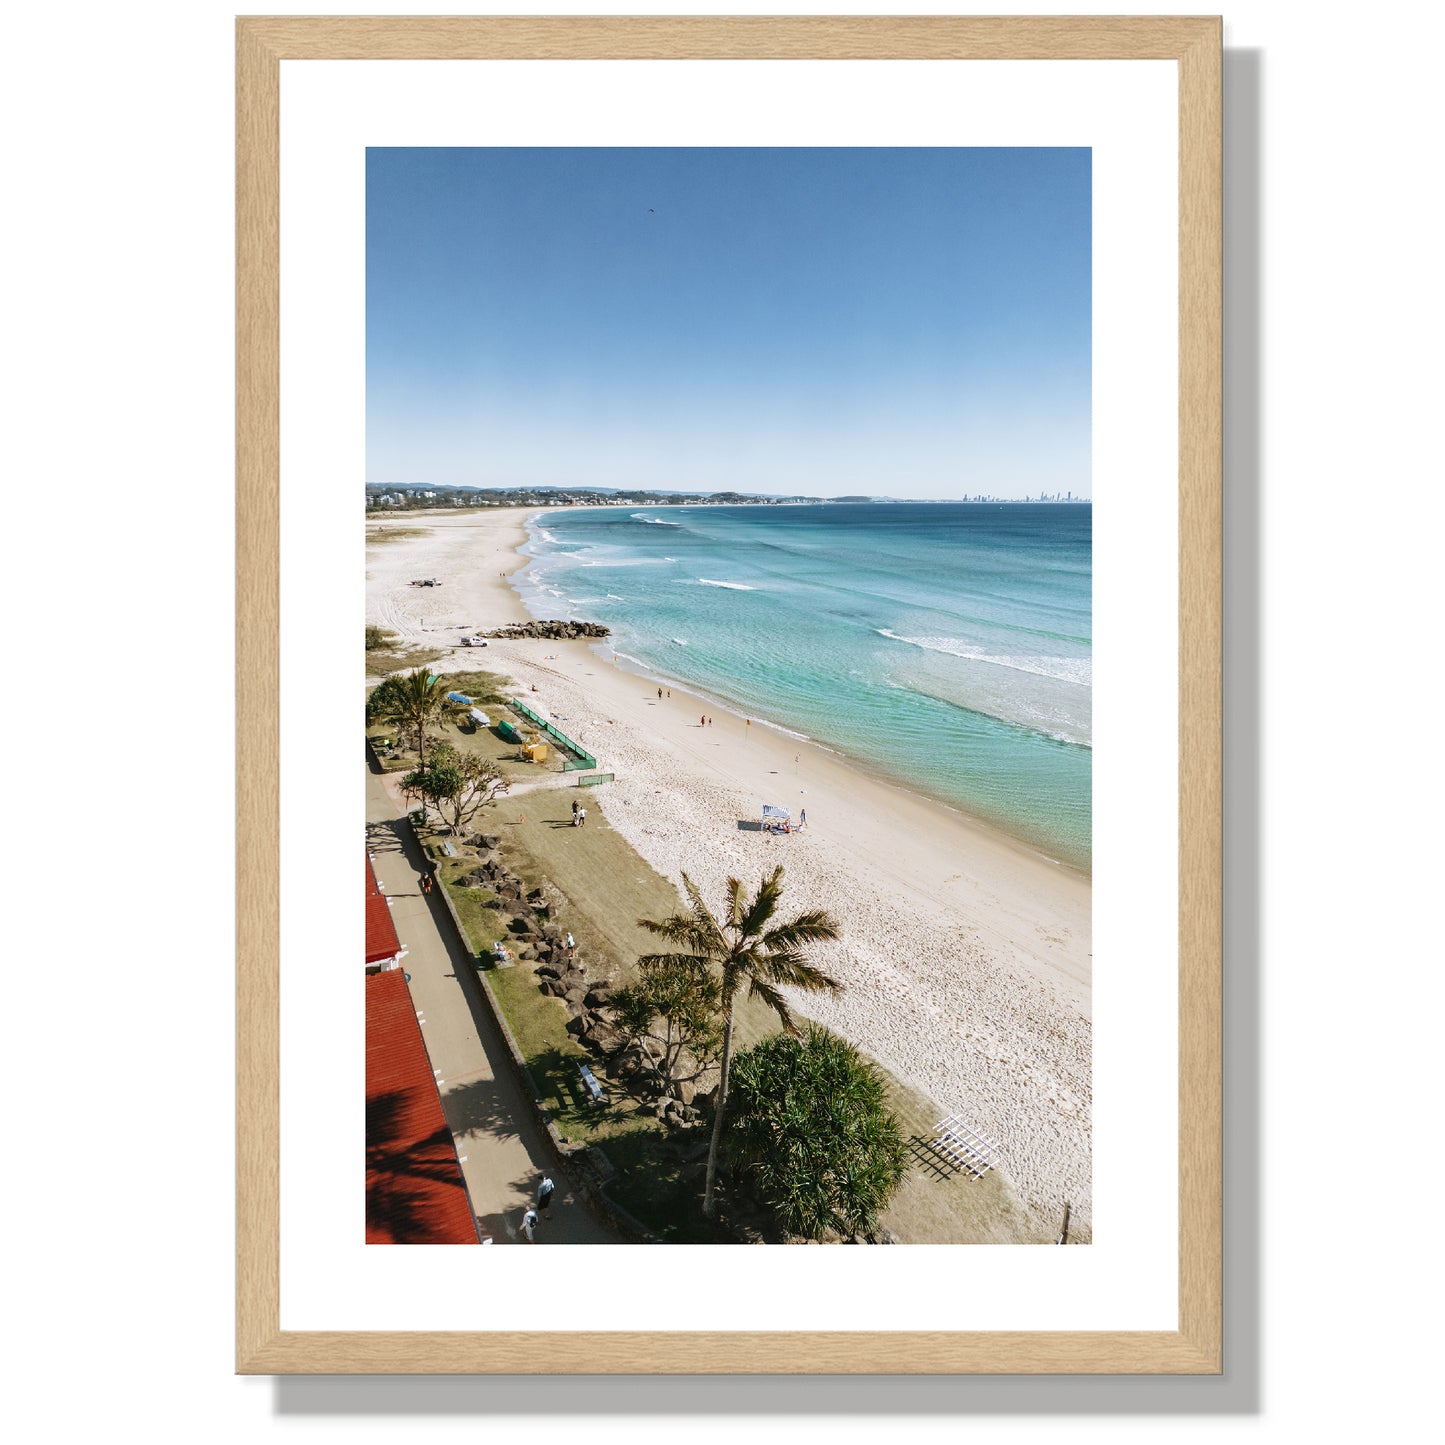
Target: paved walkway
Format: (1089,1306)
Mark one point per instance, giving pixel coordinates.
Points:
(503,1150)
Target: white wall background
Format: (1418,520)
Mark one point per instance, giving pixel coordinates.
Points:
(117,545)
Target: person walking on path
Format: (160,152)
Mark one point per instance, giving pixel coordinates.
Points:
(529,1226)
(426,882)
(545,1190)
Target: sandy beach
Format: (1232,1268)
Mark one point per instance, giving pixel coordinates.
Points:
(965,955)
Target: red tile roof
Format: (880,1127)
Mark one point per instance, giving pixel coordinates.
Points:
(381,940)
(414,1188)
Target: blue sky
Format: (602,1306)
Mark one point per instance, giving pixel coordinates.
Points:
(902,322)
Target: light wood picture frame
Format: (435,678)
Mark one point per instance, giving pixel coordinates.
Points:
(1194,44)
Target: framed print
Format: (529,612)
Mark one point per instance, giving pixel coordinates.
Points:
(790,562)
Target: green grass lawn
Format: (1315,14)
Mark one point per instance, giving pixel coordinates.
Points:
(382,661)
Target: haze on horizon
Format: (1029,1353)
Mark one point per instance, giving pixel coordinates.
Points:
(889,322)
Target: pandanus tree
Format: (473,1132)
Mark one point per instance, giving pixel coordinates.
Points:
(414,701)
(746,949)
(811,1128)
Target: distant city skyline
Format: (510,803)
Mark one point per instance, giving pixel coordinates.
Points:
(902,323)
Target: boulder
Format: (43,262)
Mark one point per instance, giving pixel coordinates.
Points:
(536,896)
(544,970)
(576,1025)
(599,996)
(555,630)
(517,924)
(685,1090)
(576,998)
(604,1038)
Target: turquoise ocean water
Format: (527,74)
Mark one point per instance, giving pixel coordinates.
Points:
(946,646)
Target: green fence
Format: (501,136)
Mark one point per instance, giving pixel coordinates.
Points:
(581,757)
(590,780)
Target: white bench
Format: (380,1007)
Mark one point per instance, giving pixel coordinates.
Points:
(593,1087)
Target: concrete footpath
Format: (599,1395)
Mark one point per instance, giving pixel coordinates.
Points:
(504,1152)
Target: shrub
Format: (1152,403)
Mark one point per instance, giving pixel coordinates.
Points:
(810,1127)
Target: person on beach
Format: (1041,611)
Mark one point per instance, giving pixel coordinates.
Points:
(545,1191)
(529,1226)
(575,806)
(581,817)
(659,694)
(702,722)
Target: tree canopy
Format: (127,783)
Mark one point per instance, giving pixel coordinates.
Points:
(458,785)
(811,1128)
(676,1011)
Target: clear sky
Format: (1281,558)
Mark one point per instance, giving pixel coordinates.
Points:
(900,322)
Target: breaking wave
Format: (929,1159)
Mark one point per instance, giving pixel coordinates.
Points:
(1079,670)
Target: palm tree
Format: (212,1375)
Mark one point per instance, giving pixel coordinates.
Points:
(750,950)
(414,700)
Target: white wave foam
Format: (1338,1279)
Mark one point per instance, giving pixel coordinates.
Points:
(615,598)
(681,641)
(779,728)
(731,586)
(653,521)
(1077,670)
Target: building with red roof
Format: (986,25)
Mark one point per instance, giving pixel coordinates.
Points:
(415,1193)
(383,947)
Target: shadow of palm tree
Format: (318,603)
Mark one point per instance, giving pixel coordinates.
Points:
(401,1173)
(387,837)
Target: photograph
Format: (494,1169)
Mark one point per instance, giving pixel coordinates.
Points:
(728,694)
